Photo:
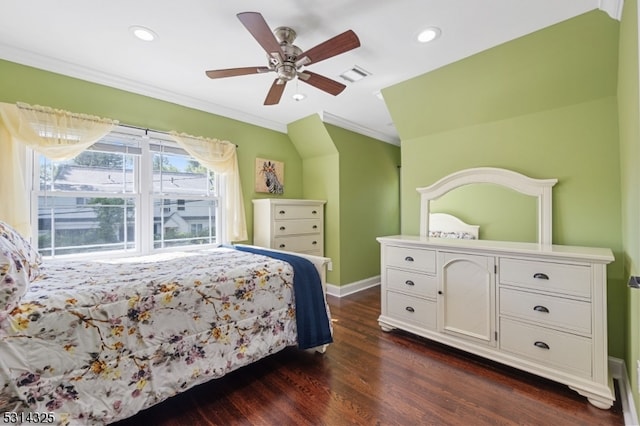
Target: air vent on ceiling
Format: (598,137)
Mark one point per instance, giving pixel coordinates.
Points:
(354,74)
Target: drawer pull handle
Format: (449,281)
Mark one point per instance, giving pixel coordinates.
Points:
(410,309)
(282,228)
(314,243)
(281,212)
(282,245)
(315,226)
(409,282)
(408,259)
(539,308)
(314,212)
(541,345)
(541,276)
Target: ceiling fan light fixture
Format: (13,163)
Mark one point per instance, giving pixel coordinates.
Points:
(298,97)
(428,34)
(142,33)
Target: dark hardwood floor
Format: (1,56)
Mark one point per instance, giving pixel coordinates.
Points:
(369,377)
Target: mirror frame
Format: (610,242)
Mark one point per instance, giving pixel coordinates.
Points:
(539,188)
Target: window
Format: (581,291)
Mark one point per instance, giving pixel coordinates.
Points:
(125,193)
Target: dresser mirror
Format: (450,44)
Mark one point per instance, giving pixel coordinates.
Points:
(539,189)
(502,213)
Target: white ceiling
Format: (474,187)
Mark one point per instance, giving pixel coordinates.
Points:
(90,40)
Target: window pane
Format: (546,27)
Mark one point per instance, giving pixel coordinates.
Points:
(178,174)
(179,222)
(69,225)
(89,171)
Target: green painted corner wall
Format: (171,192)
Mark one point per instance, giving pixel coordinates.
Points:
(629,124)
(543,105)
(321,181)
(358,176)
(33,86)
(369,200)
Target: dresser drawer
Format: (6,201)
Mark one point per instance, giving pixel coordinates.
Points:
(299,226)
(292,211)
(411,258)
(553,277)
(417,311)
(552,311)
(412,282)
(298,243)
(551,348)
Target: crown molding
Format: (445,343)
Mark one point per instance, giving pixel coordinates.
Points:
(31,59)
(357,128)
(612,7)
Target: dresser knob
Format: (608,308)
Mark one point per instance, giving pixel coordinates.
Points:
(409,282)
(282,228)
(314,212)
(440,292)
(281,212)
(315,226)
(282,245)
(314,243)
(410,309)
(539,308)
(408,259)
(541,276)
(541,345)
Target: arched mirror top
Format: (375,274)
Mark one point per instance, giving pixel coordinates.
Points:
(539,188)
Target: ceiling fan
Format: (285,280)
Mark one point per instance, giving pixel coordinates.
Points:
(287,60)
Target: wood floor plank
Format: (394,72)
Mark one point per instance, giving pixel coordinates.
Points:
(369,377)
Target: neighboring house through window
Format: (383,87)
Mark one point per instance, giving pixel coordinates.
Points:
(127,192)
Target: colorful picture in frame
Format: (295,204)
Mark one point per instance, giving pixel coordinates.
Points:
(269,176)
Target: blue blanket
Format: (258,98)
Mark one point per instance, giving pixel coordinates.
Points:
(311,314)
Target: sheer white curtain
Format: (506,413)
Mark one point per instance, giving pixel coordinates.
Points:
(58,134)
(221,157)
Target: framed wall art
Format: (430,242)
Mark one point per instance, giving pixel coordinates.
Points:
(269,176)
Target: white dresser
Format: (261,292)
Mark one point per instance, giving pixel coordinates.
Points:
(288,224)
(539,308)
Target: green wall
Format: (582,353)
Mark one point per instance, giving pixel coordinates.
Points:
(629,119)
(369,200)
(321,177)
(543,105)
(37,87)
(358,176)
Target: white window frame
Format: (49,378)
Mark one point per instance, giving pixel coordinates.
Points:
(144,198)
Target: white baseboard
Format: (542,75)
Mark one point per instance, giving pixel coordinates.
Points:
(618,371)
(347,289)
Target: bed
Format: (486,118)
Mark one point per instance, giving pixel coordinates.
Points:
(445,225)
(93,342)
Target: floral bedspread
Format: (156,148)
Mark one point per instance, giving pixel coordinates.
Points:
(95,342)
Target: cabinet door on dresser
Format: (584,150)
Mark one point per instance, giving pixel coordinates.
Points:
(467,296)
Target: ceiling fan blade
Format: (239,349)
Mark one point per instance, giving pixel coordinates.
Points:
(275,93)
(334,46)
(321,82)
(232,72)
(257,26)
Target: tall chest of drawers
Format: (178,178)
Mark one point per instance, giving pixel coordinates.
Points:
(542,309)
(289,224)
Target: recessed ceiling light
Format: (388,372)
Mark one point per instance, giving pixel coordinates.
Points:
(143,33)
(299,96)
(428,34)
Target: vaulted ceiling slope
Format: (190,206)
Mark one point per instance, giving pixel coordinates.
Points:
(93,41)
